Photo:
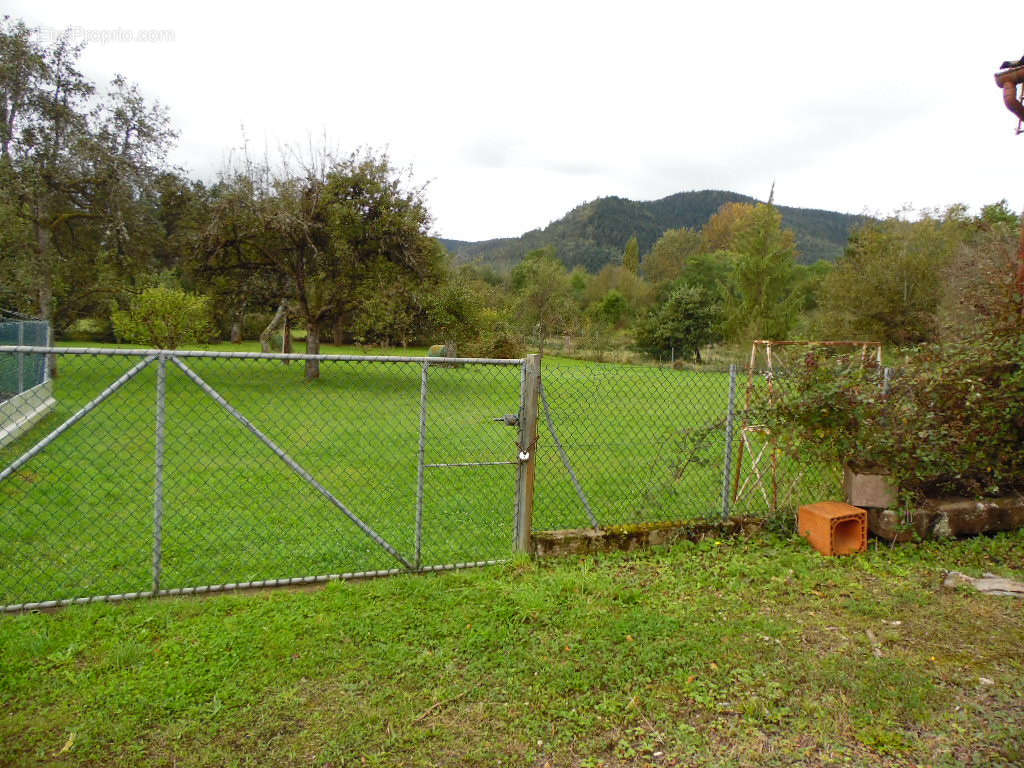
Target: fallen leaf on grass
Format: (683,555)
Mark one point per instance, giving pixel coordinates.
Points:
(67,744)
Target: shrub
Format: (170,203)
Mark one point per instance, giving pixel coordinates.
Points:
(682,325)
(499,341)
(952,423)
(164,318)
(90,329)
(253,324)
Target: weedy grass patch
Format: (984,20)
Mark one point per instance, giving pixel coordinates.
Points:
(737,652)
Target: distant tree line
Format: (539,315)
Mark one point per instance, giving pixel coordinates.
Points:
(101,236)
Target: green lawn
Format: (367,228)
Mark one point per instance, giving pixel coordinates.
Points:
(729,653)
(646,443)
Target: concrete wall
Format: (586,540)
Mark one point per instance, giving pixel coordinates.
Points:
(21,412)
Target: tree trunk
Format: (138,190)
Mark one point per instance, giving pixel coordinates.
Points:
(338,331)
(312,348)
(286,343)
(268,332)
(43,236)
(236,332)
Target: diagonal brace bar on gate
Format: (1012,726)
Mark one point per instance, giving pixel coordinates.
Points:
(565,460)
(292,464)
(74,419)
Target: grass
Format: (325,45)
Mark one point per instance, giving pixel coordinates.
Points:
(646,444)
(732,653)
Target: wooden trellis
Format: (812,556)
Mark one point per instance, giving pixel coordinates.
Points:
(760,474)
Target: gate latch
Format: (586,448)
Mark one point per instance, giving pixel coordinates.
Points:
(509,419)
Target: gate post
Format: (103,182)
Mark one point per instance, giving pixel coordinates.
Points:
(21,357)
(730,416)
(527,469)
(158,481)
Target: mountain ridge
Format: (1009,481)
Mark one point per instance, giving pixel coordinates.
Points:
(595,233)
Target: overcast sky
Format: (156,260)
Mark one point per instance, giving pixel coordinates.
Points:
(516,112)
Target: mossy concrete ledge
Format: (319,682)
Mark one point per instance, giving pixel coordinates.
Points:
(949,518)
(584,541)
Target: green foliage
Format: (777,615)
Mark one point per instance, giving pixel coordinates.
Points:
(76,179)
(671,254)
(612,310)
(544,295)
(980,285)
(90,329)
(888,285)
(722,229)
(997,214)
(579,280)
(708,271)
(682,325)
(638,293)
(760,300)
(808,279)
(958,418)
(953,422)
(343,240)
(497,337)
(387,309)
(631,256)
(454,309)
(164,318)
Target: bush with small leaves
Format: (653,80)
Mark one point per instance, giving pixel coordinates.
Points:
(165,318)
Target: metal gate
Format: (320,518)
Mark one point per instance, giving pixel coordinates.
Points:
(161,473)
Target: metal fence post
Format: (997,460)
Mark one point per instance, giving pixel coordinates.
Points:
(50,360)
(158,484)
(420,474)
(730,419)
(527,470)
(21,358)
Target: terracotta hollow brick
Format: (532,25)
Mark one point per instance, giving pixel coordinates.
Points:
(834,528)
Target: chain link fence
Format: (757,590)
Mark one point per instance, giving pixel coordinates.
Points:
(627,444)
(20,373)
(644,444)
(155,472)
(166,473)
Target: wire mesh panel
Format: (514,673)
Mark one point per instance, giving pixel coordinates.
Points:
(176,471)
(20,373)
(644,444)
(469,463)
(76,517)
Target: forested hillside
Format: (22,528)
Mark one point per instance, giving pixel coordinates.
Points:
(595,233)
